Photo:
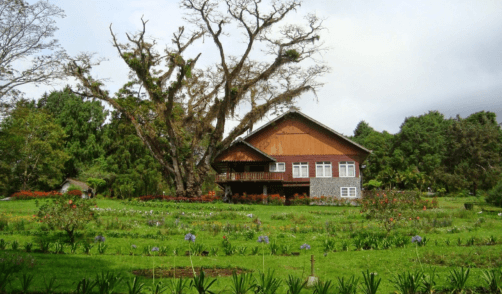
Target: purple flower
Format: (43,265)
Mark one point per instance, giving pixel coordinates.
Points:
(99,238)
(263,239)
(133,246)
(155,249)
(305,246)
(416,239)
(190,237)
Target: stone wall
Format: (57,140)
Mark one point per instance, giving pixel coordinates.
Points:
(330,187)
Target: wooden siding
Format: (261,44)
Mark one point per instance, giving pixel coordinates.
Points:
(296,136)
(240,153)
(312,159)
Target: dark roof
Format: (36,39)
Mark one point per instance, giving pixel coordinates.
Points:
(311,120)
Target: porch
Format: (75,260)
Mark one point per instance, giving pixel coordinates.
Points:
(249,177)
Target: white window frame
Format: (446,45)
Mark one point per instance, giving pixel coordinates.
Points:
(324,165)
(299,166)
(344,165)
(276,168)
(350,192)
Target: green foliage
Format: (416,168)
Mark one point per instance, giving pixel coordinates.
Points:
(128,168)
(95,183)
(458,279)
(292,54)
(242,284)
(474,146)
(82,121)
(493,280)
(322,287)
(201,284)
(348,286)
(267,283)
(107,282)
(11,264)
(134,287)
(68,213)
(495,195)
(408,282)
(372,184)
(431,151)
(31,151)
(370,283)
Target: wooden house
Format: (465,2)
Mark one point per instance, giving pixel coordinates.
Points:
(87,192)
(292,154)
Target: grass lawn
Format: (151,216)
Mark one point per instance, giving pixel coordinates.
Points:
(338,236)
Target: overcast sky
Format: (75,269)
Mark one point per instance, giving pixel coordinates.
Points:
(389,59)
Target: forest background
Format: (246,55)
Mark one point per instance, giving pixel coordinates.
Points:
(62,135)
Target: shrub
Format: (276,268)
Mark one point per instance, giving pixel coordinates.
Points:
(67,213)
(495,195)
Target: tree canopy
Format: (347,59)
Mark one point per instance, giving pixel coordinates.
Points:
(32,154)
(179,111)
(26,34)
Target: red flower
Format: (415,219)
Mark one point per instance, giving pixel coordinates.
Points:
(74,206)
(391,219)
(425,208)
(418,217)
(70,202)
(224,237)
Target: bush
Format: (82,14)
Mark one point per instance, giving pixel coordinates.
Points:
(67,213)
(495,195)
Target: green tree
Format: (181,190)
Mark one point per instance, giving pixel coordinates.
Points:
(180,111)
(82,122)
(31,150)
(473,159)
(127,166)
(378,164)
(421,141)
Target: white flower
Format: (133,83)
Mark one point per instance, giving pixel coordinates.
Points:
(480,212)
(500,214)
(250,215)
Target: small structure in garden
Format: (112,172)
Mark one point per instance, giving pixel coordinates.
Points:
(292,154)
(87,192)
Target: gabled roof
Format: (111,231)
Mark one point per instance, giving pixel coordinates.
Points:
(80,184)
(309,119)
(241,141)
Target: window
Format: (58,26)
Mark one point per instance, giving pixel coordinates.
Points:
(348,191)
(300,170)
(277,167)
(323,169)
(347,169)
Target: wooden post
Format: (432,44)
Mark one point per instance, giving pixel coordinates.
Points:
(311,280)
(312,261)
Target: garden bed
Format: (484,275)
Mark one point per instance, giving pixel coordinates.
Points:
(187,272)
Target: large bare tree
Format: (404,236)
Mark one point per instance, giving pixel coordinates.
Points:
(29,54)
(180,111)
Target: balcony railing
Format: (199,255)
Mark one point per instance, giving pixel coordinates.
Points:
(250,177)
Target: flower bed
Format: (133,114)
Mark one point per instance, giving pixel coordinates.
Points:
(26,195)
(274,199)
(201,199)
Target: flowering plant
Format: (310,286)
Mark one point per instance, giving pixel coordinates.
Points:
(67,213)
(190,237)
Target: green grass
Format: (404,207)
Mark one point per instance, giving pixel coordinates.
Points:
(285,225)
